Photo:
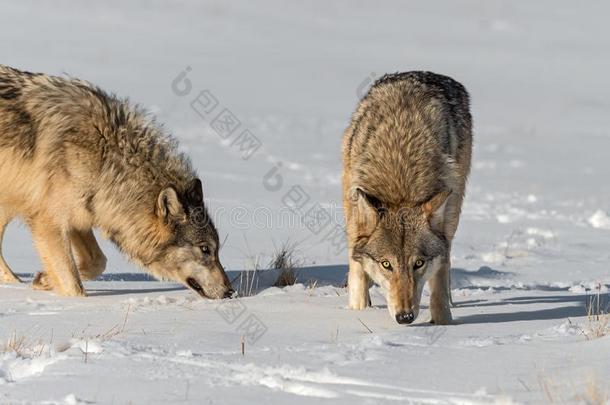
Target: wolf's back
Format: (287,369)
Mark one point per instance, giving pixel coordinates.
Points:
(11,82)
(49,114)
(18,129)
(410,137)
(444,88)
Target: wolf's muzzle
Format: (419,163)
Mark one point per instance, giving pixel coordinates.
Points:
(405,317)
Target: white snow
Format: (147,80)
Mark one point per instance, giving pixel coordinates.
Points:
(15,367)
(530,253)
(600,220)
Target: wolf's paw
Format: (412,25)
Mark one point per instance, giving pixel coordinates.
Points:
(91,270)
(75,291)
(41,282)
(359,303)
(441,318)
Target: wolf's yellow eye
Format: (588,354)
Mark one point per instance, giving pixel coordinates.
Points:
(419,263)
(386,264)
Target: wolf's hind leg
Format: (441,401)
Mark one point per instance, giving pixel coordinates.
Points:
(6,274)
(440,295)
(90,259)
(358,283)
(60,272)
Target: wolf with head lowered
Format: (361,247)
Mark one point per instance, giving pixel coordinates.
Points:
(74,158)
(406,156)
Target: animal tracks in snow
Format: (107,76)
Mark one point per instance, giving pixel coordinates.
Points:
(312,383)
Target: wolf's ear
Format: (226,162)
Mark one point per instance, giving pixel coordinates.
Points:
(194,193)
(434,208)
(168,204)
(366,210)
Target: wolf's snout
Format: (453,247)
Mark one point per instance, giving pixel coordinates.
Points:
(405,317)
(229,293)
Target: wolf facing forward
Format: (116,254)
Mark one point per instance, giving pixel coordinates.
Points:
(406,158)
(73,158)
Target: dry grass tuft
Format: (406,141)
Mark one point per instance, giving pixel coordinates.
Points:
(15,344)
(589,392)
(593,394)
(311,286)
(106,335)
(246,283)
(23,347)
(284,260)
(599,319)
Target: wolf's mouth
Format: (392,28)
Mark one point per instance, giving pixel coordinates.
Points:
(195,286)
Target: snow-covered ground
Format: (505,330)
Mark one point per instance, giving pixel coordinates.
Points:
(531,250)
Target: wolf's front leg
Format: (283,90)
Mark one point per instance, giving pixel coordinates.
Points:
(90,259)
(60,272)
(358,284)
(6,275)
(440,295)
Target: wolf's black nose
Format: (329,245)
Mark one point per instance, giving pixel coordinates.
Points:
(405,317)
(229,293)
